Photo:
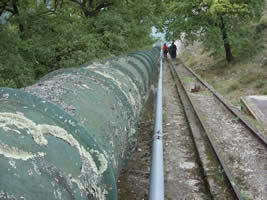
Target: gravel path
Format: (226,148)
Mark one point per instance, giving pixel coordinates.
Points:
(245,157)
(183,179)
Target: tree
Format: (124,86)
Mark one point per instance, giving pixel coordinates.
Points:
(217,23)
(38,37)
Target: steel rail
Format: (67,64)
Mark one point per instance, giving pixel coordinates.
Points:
(156,190)
(256,132)
(213,145)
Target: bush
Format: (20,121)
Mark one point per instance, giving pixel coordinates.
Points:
(233,87)
(259,84)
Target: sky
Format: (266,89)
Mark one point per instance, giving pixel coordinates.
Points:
(158,35)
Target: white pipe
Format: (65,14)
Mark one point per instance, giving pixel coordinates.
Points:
(156,190)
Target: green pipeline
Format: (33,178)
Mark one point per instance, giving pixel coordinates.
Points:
(69,135)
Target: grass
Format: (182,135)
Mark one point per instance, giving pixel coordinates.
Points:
(235,120)
(255,123)
(165,114)
(245,76)
(187,79)
(245,196)
(263,91)
(235,85)
(205,92)
(246,79)
(220,173)
(259,84)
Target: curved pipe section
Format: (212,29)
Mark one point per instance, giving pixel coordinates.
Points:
(69,135)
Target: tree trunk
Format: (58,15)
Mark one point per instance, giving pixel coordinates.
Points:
(227,46)
(16,12)
(228,53)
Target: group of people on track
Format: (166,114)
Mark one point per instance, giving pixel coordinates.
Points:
(171,50)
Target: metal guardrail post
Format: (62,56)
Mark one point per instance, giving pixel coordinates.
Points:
(156,191)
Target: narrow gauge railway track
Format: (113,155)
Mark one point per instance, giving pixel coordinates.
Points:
(233,151)
(253,130)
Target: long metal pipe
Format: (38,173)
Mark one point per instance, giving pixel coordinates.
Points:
(156,191)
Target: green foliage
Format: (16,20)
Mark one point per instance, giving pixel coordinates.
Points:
(233,86)
(264,62)
(263,91)
(13,69)
(259,84)
(219,24)
(38,37)
(187,79)
(248,79)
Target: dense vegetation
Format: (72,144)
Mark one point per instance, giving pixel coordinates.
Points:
(40,36)
(221,25)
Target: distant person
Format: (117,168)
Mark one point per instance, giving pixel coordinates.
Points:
(165,51)
(172,50)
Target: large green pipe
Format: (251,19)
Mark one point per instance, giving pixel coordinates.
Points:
(69,135)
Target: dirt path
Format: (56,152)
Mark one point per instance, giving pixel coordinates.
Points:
(133,183)
(183,178)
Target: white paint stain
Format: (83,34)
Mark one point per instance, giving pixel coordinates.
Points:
(38,132)
(129,94)
(134,85)
(118,83)
(5,96)
(132,131)
(94,65)
(104,165)
(12,163)
(86,86)
(100,194)
(14,152)
(78,183)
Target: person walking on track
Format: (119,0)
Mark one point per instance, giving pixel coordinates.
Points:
(172,50)
(165,51)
